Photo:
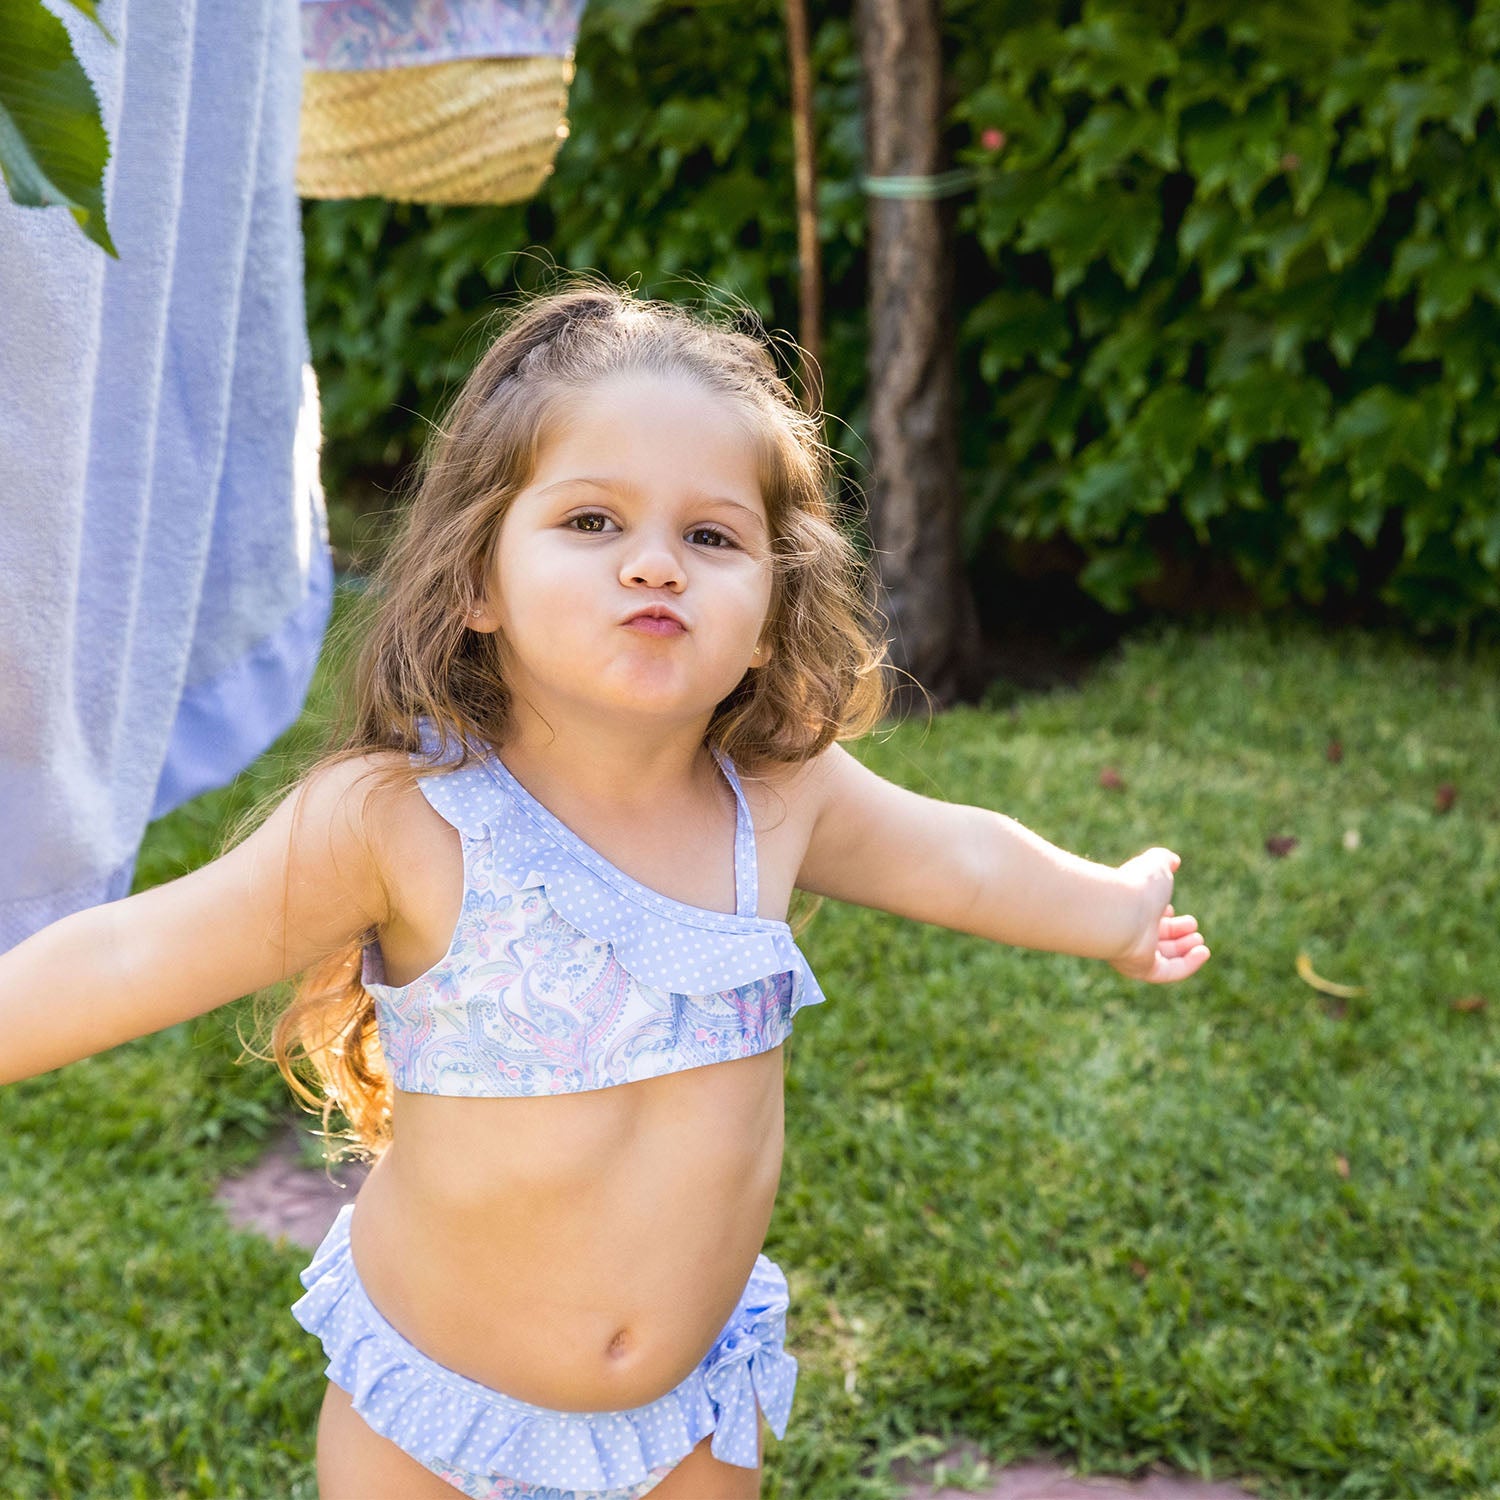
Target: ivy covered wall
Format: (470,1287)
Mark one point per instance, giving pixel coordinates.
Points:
(1227,284)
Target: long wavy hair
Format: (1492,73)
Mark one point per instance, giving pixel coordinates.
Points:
(417,659)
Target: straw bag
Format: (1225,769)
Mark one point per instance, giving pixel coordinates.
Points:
(482,130)
(469,129)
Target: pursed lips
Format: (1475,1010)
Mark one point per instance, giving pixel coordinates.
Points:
(656,622)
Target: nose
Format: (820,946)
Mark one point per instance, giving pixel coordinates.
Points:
(652,563)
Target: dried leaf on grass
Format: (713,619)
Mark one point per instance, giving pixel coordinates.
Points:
(1307,975)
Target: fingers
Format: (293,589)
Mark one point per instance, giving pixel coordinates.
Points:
(1192,961)
(1179,947)
(1170,969)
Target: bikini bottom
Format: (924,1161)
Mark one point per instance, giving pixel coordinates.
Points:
(491,1446)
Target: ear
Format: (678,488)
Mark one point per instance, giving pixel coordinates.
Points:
(482,619)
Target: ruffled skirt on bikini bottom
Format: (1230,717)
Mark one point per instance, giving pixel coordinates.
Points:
(491,1446)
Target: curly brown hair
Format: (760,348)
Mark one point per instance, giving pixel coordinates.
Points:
(419,660)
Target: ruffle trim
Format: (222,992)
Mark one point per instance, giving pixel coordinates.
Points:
(651,935)
(653,948)
(390,1382)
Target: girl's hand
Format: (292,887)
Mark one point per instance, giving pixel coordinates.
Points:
(1168,947)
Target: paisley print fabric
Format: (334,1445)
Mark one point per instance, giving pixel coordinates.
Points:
(565,975)
(485,1487)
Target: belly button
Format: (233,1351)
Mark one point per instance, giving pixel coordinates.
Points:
(617,1345)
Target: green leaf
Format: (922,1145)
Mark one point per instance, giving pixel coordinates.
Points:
(1351,81)
(1381,429)
(1239,153)
(1111,135)
(1356,294)
(1206,223)
(1343,219)
(1478,488)
(688,124)
(1476,90)
(1113,51)
(53,148)
(1323,506)
(1446,283)
(1074,227)
(1137,226)
(1118,368)
(1204,496)
(1112,577)
(1307,149)
(1165,432)
(1014,326)
(1003,202)
(1104,494)
(1024,412)
(620,20)
(1415,257)
(1465,350)
(1280,245)
(1404,106)
(1268,407)
(1212,235)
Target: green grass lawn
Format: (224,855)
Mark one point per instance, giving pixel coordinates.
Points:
(1235,1226)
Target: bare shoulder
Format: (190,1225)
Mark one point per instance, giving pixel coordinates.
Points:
(787,800)
(359,800)
(786,795)
(375,800)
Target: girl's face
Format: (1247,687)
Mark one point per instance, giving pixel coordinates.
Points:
(647,497)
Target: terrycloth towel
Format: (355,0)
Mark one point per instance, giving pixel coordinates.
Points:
(356,35)
(164,568)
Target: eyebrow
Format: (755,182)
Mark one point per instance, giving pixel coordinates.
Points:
(620,486)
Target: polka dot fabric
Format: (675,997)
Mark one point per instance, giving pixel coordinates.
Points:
(486,1443)
(564,974)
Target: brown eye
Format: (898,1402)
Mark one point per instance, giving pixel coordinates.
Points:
(585,522)
(715,538)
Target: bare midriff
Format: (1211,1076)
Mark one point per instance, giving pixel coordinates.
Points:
(580,1252)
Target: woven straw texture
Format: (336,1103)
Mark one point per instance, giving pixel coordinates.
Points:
(484,130)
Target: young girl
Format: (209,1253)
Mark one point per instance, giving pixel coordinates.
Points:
(538,900)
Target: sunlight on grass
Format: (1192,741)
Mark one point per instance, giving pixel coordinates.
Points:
(1234,1226)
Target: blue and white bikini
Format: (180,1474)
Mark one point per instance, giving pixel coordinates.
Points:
(566,975)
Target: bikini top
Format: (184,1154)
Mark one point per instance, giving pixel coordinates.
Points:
(565,974)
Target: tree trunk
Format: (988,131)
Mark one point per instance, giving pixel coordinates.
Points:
(915,504)
(809,262)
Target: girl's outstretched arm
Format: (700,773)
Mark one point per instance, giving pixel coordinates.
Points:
(305,882)
(876,844)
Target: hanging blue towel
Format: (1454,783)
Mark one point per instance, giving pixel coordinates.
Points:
(164,569)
